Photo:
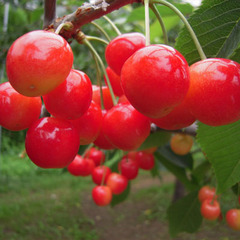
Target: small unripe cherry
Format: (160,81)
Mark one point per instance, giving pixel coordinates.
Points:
(181,144)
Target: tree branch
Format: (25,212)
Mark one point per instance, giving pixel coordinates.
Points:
(49,12)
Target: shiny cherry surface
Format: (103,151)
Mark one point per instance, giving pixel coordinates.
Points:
(99,173)
(97,155)
(128,167)
(233,219)
(145,160)
(210,209)
(102,195)
(206,192)
(38,62)
(117,183)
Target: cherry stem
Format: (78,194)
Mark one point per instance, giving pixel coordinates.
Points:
(88,147)
(103,68)
(157,14)
(68,26)
(101,30)
(147,22)
(188,26)
(113,25)
(97,39)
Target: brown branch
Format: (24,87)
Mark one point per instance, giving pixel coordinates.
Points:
(87,13)
(49,12)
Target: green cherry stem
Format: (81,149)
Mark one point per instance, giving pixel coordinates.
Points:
(113,25)
(159,18)
(147,22)
(89,45)
(101,30)
(188,26)
(97,39)
(68,26)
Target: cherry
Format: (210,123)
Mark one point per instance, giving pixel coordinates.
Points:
(117,183)
(96,155)
(214,97)
(128,167)
(155,79)
(52,142)
(102,195)
(115,81)
(145,160)
(123,99)
(121,48)
(181,144)
(17,112)
(233,218)
(89,124)
(125,127)
(81,166)
(206,192)
(99,172)
(38,62)
(72,98)
(210,209)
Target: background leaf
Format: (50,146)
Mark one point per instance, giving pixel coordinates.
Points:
(121,197)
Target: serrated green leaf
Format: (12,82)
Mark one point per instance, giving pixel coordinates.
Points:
(184,215)
(121,197)
(221,145)
(217,26)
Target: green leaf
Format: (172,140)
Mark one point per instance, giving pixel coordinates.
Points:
(121,197)
(236,55)
(199,173)
(184,215)
(217,26)
(221,145)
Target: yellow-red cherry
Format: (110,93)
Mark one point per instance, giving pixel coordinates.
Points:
(102,195)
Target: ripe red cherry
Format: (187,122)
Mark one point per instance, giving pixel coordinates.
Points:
(99,172)
(214,97)
(117,183)
(115,81)
(210,209)
(206,192)
(125,127)
(72,98)
(52,142)
(102,195)
(155,79)
(107,99)
(121,48)
(145,160)
(89,124)
(17,112)
(81,166)
(128,167)
(233,218)
(38,62)
(96,155)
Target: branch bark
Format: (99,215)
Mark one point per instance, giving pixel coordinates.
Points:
(49,12)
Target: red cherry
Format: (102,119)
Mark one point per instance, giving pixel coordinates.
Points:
(210,209)
(145,160)
(128,167)
(123,99)
(107,99)
(99,172)
(89,125)
(155,79)
(233,218)
(117,183)
(38,62)
(81,166)
(17,112)
(102,195)
(125,127)
(52,142)
(72,98)
(121,48)
(96,155)
(214,97)
(115,82)
(206,192)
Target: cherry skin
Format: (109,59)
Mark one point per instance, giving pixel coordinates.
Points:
(117,183)
(81,166)
(52,142)
(206,192)
(102,195)
(89,124)
(125,127)
(17,112)
(38,62)
(210,209)
(181,144)
(96,155)
(128,167)
(121,48)
(214,97)
(233,219)
(145,160)
(99,172)
(72,98)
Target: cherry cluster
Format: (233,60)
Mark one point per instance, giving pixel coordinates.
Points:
(210,208)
